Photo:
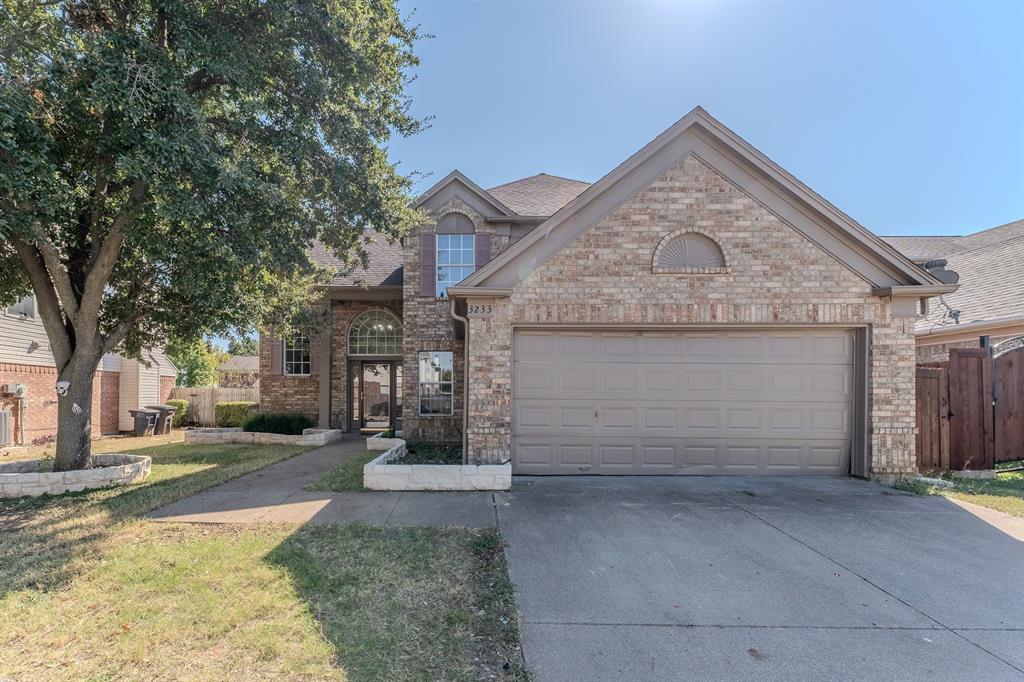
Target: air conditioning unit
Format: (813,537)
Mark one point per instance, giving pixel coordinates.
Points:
(17,390)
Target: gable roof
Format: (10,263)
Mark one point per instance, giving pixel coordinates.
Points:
(538,195)
(991,268)
(453,183)
(383,268)
(700,134)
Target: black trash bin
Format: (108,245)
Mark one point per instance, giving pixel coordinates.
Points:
(145,420)
(163,420)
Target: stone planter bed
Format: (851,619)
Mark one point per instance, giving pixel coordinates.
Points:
(379,442)
(237,435)
(24,479)
(380,474)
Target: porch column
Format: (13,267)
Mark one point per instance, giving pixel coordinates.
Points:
(324,349)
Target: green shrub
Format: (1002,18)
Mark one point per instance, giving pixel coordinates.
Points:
(178,420)
(277,422)
(232,413)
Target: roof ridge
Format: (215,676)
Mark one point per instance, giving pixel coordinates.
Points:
(997,227)
(537,175)
(921,236)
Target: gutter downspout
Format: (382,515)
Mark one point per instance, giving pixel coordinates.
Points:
(465,379)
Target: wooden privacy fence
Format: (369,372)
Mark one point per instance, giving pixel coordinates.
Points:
(201,400)
(970,410)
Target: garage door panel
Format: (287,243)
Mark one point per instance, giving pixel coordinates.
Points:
(754,402)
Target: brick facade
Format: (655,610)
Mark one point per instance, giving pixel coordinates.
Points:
(281,393)
(774,276)
(429,326)
(41,410)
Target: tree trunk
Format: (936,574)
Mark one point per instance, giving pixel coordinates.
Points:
(74,427)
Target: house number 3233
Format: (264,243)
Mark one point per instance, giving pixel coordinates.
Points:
(484,309)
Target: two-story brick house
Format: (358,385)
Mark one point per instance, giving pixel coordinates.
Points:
(696,310)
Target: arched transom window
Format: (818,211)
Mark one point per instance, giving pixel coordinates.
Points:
(688,252)
(375,332)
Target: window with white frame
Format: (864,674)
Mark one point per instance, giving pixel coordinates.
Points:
(456,257)
(26,307)
(436,371)
(296,355)
(375,332)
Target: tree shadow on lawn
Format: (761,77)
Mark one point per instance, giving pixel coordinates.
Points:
(44,540)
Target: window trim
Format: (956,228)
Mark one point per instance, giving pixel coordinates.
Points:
(284,357)
(366,313)
(21,316)
(438,266)
(420,383)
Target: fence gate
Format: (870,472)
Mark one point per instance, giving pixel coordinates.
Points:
(1008,397)
(970,409)
(932,418)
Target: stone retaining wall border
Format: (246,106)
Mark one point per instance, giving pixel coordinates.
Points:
(23,479)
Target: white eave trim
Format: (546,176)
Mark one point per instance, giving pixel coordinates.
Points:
(916,290)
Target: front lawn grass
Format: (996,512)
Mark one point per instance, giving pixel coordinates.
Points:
(89,590)
(346,476)
(1004,493)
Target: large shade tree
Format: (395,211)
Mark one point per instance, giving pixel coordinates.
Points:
(165,166)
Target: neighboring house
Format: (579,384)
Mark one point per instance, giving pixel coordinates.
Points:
(697,310)
(239,371)
(990,300)
(121,383)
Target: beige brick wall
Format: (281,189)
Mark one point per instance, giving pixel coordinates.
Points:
(775,276)
(429,326)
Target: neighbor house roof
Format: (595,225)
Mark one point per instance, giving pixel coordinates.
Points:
(240,363)
(920,248)
(384,266)
(538,195)
(991,268)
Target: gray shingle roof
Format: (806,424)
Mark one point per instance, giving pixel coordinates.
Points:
(540,194)
(384,267)
(240,363)
(923,248)
(991,268)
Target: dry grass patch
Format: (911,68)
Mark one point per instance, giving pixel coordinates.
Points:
(1004,493)
(90,591)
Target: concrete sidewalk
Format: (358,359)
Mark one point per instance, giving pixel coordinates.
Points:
(275,494)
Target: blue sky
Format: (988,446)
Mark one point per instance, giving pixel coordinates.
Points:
(908,116)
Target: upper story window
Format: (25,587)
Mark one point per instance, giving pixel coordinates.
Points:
(455,260)
(375,332)
(26,307)
(296,355)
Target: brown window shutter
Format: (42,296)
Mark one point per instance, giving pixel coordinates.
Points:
(428,266)
(483,250)
(276,356)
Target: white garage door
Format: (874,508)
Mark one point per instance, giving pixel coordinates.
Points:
(674,402)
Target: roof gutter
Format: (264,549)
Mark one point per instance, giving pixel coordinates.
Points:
(465,377)
(946,333)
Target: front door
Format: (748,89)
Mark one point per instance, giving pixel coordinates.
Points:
(380,395)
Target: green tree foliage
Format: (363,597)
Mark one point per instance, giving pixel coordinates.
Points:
(197,362)
(166,166)
(244,345)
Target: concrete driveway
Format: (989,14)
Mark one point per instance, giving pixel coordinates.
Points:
(759,579)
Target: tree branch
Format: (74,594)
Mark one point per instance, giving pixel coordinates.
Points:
(46,302)
(104,259)
(59,275)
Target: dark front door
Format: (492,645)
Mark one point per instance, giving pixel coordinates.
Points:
(380,395)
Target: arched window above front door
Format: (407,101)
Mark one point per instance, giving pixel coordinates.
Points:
(375,332)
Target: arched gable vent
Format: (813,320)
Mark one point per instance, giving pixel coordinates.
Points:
(455,223)
(689,252)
